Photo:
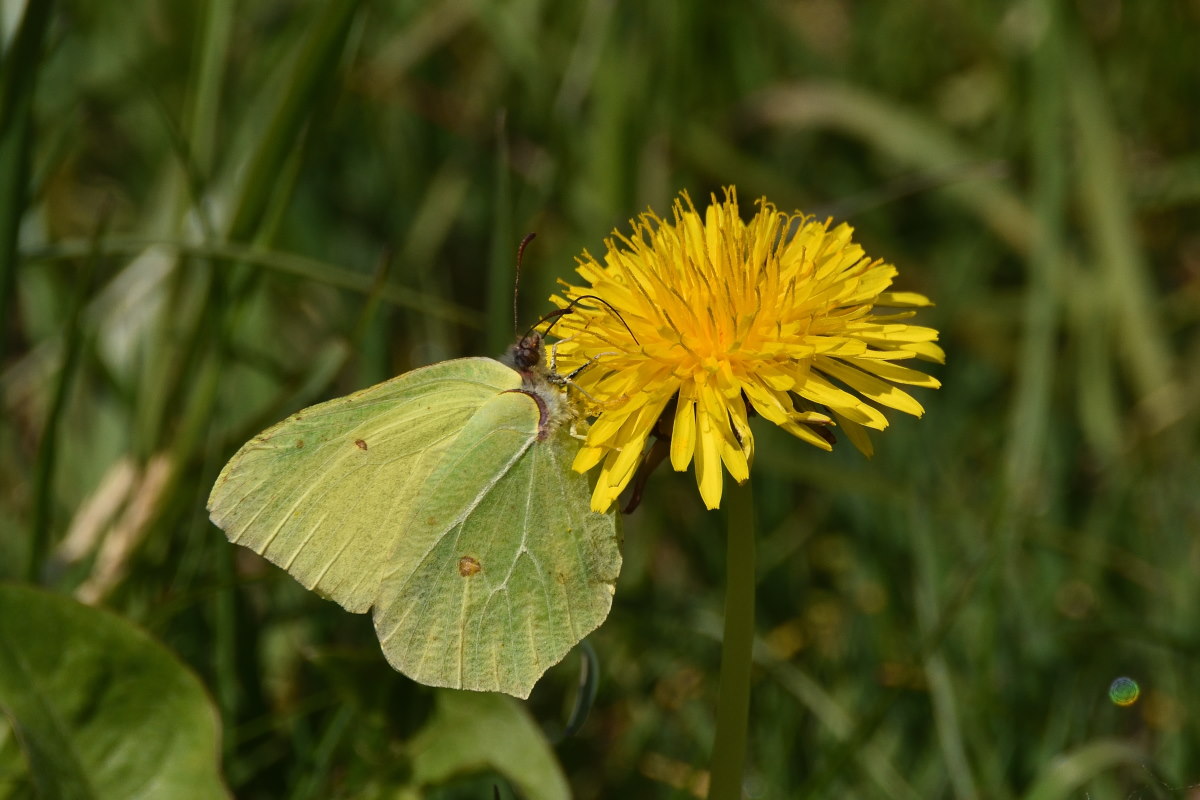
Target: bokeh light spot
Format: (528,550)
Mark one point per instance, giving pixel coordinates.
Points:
(1124,691)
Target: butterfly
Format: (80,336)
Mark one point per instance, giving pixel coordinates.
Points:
(443,502)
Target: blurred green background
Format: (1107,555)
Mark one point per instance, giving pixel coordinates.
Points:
(214,213)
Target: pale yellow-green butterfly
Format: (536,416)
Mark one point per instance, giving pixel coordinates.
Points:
(443,501)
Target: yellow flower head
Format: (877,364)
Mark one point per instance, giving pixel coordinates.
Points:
(708,319)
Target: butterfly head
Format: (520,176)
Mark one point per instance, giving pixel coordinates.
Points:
(525,356)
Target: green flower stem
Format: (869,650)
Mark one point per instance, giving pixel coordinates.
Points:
(733,705)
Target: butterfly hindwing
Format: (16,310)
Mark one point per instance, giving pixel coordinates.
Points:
(503,567)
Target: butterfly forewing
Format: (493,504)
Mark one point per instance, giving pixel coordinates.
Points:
(323,493)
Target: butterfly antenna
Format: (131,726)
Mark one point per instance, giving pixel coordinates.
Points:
(529,237)
(574,302)
(554,315)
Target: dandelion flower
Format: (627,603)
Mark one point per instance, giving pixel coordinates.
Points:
(708,320)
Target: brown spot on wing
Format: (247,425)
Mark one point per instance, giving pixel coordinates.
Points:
(360,444)
(469,567)
(299,443)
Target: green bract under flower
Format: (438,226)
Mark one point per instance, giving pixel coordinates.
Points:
(780,314)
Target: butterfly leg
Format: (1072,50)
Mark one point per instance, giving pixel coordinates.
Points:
(554,355)
(569,378)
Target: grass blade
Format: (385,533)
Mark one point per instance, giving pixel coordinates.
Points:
(1138,334)
(18,77)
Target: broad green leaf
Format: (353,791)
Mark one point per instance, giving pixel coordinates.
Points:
(445,500)
(100,709)
(473,733)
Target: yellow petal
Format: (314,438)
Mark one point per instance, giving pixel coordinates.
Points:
(807,434)
(709,477)
(683,435)
(626,463)
(897,333)
(825,393)
(768,403)
(716,410)
(739,418)
(587,457)
(857,435)
(896,373)
(735,462)
(903,300)
(927,351)
(605,492)
(871,387)
(608,427)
